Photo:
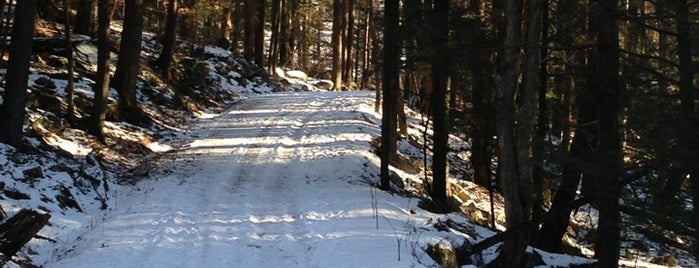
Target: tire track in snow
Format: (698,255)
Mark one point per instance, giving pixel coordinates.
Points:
(240,194)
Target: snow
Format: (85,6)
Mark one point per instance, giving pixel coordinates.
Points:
(281,180)
(278,180)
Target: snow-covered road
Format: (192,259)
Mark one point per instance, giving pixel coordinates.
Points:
(280,180)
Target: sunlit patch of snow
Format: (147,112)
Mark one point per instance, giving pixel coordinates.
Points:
(217,51)
(158,147)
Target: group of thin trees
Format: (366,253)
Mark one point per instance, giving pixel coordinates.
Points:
(553,96)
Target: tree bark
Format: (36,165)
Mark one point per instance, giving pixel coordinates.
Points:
(101,86)
(249,36)
(276,17)
(440,75)
(129,64)
(15,98)
(517,205)
(168,41)
(554,228)
(85,17)
(688,132)
(70,87)
(528,109)
(481,99)
(605,90)
(337,43)
(348,39)
(390,84)
(260,33)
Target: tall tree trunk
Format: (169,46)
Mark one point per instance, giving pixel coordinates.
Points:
(227,24)
(129,64)
(85,17)
(553,229)
(481,96)
(238,26)
(274,42)
(517,207)
(165,59)
(571,154)
(15,98)
(390,84)
(70,87)
(688,132)
(349,34)
(101,86)
(538,172)
(608,160)
(249,37)
(440,75)
(529,105)
(366,50)
(260,33)
(337,43)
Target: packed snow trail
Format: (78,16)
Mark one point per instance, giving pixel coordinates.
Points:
(280,180)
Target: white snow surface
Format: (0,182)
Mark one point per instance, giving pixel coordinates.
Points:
(281,180)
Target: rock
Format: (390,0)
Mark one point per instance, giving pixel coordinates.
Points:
(45,82)
(397,180)
(443,254)
(56,61)
(323,84)
(66,200)
(86,56)
(61,168)
(223,43)
(299,75)
(15,194)
(667,260)
(449,252)
(33,173)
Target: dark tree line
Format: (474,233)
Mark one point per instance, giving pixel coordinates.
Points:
(581,74)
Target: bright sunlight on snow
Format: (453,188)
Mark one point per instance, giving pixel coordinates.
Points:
(283,180)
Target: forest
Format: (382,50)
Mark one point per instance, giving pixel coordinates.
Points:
(562,106)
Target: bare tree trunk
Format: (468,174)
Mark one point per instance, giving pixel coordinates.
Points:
(517,205)
(554,228)
(390,84)
(227,24)
(366,49)
(337,43)
(70,87)
(165,59)
(238,26)
(260,33)
(249,37)
(276,30)
(529,105)
(688,133)
(129,64)
(348,39)
(481,98)
(85,18)
(605,90)
(101,86)
(440,63)
(15,98)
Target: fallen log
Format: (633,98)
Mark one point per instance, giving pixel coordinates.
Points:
(19,229)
